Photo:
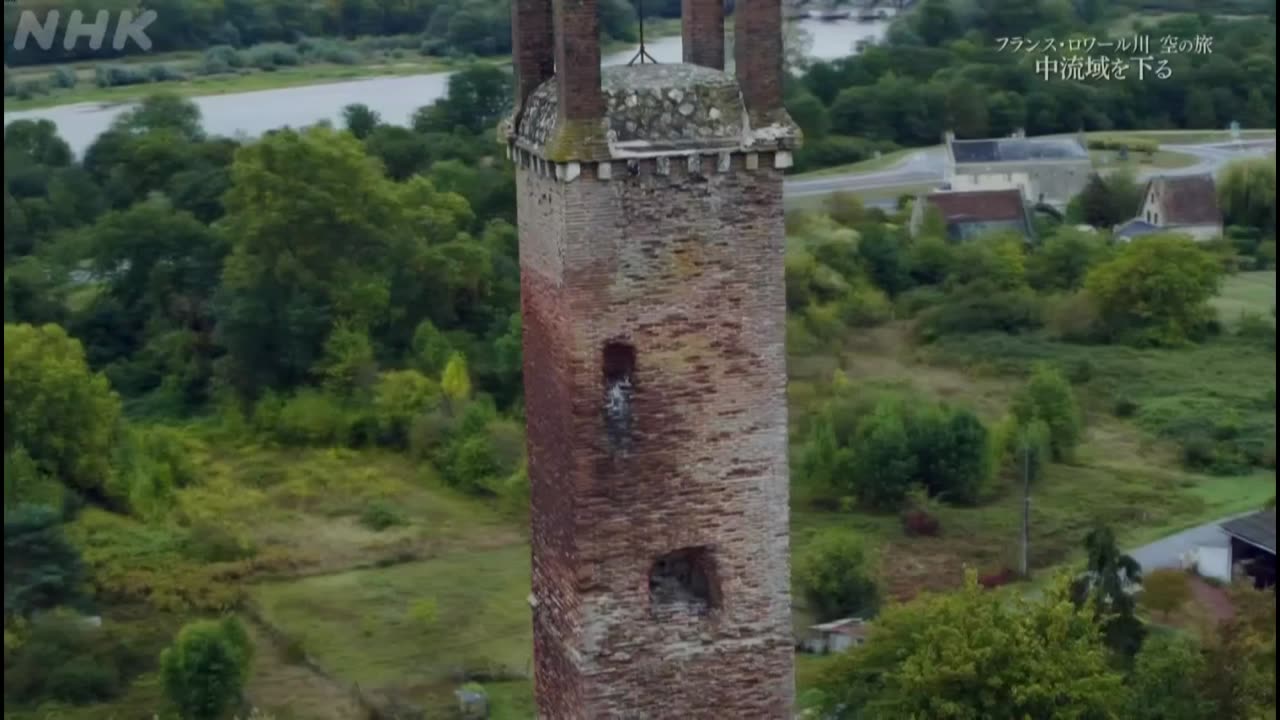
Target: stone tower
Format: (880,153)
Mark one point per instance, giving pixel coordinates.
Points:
(651,251)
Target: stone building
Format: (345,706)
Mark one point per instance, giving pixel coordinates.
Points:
(1049,170)
(651,250)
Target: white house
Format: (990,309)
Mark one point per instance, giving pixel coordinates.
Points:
(1049,170)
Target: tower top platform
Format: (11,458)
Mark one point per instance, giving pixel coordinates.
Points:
(651,110)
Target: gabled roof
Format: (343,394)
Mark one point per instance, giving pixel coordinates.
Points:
(1017,150)
(1257,529)
(979,205)
(1186,200)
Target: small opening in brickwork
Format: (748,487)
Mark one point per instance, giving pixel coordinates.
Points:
(685,578)
(619,364)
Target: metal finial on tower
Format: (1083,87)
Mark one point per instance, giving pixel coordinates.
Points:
(642,56)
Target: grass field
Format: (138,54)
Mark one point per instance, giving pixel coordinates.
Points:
(1181,137)
(1110,161)
(1253,292)
(868,197)
(884,162)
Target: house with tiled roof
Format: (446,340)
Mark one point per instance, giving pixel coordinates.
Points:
(970,214)
(1187,205)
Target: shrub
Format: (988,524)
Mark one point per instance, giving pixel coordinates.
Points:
(1073,318)
(997,579)
(64,77)
(269,56)
(64,657)
(919,523)
(976,310)
(205,669)
(28,89)
(916,300)
(381,514)
(864,307)
(1259,328)
(835,573)
(398,398)
(1165,591)
(119,75)
(164,73)
(312,417)
(1081,371)
(221,59)
(1125,407)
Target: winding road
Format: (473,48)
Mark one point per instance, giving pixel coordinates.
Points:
(926,167)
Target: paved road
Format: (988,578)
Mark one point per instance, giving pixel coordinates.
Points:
(926,167)
(1167,553)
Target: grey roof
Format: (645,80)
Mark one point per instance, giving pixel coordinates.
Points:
(1017,150)
(1257,529)
(1134,228)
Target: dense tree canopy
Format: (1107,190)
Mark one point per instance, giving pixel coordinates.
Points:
(973,655)
(1156,289)
(56,409)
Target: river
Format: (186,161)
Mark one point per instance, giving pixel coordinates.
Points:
(394,98)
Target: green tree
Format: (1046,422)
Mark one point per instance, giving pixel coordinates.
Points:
(951,452)
(884,465)
(478,97)
(936,22)
(1162,685)
(1048,397)
(42,570)
(1064,260)
(836,575)
(317,232)
(997,261)
(205,669)
(1157,289)
(1247,191)
(64,415)
(1105,203)
(974,655)
(810,114)
(1109,580)
(360,120)
(348,366)
(456,381)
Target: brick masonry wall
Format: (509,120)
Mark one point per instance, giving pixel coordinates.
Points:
(688,270)
(534,45)
(757,47)
(702,26)
(578,59)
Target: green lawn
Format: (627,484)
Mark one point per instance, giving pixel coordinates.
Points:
(1109,160)
(1180,137)
(359,625)
(1252,292)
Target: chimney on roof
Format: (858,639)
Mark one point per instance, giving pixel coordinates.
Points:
(948,137)
(1020,133)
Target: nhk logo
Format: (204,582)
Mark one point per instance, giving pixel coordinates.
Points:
(128,28)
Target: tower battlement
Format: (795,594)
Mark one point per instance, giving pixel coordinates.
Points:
(651,110)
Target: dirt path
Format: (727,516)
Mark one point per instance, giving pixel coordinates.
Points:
(289,689)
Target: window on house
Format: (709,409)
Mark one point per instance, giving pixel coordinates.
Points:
(619,364)
(685,578)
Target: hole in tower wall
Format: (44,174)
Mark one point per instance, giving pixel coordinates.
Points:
(684,579)
(619,363)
